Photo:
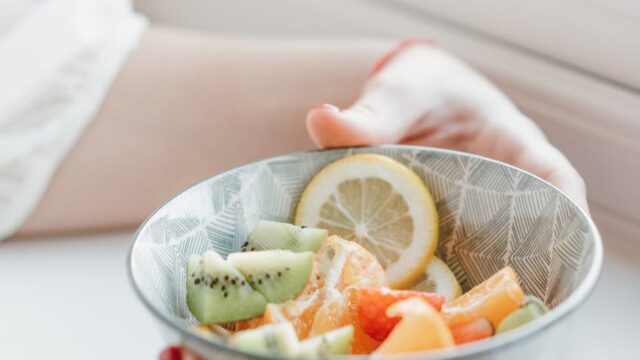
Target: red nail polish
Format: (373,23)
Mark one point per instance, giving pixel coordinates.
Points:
(171,353)
(402,45)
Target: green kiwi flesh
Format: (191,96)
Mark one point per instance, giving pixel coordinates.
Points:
(279,275)
(271,235)
(272,339)
(532,309)
(219,293)
(332,343)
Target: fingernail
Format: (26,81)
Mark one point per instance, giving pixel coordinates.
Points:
(171,353)
(326,107)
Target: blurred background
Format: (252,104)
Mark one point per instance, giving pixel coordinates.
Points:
(572,65)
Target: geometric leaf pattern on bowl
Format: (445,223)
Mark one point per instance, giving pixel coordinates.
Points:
(491,215)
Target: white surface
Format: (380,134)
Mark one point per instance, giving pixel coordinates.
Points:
(69,298)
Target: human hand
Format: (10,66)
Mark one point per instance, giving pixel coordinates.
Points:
(420,95)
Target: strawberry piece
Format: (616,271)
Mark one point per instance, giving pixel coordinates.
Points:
(477,329)
(373,304)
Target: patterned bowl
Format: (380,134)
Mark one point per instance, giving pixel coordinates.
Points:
(491,215)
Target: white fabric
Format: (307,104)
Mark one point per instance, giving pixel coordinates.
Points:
(57,61)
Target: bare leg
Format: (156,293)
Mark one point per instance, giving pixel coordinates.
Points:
(187,106)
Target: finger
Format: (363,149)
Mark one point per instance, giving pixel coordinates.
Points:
(378,117)
(391,103)
(328,127)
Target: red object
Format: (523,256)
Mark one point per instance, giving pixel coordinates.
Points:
(373,304)
(402,45)
(471,331)
(171,353)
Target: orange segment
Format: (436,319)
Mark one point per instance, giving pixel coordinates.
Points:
(478,329)
(328,302)
(494,299)
(348,266)
(421,328)
(342,311)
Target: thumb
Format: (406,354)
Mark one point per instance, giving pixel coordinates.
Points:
(376,118)
(391,103)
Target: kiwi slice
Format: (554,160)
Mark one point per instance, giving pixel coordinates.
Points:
(335,342)
(270,235)
(272,339)
(218,293)
(532,309)
(279,275)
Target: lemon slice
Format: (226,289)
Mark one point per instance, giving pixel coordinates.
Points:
(438,279)
(380,204)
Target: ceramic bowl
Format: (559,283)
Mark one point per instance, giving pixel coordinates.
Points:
(491,215)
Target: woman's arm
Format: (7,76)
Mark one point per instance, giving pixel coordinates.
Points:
(186,106)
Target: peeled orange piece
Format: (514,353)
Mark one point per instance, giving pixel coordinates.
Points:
(475,330)
(494,299)
(329,300)
(380,204)
(421,328)
(341,311)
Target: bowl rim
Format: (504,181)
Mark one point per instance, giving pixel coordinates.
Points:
(506,340)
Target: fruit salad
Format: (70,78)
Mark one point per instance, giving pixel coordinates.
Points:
(356,274)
